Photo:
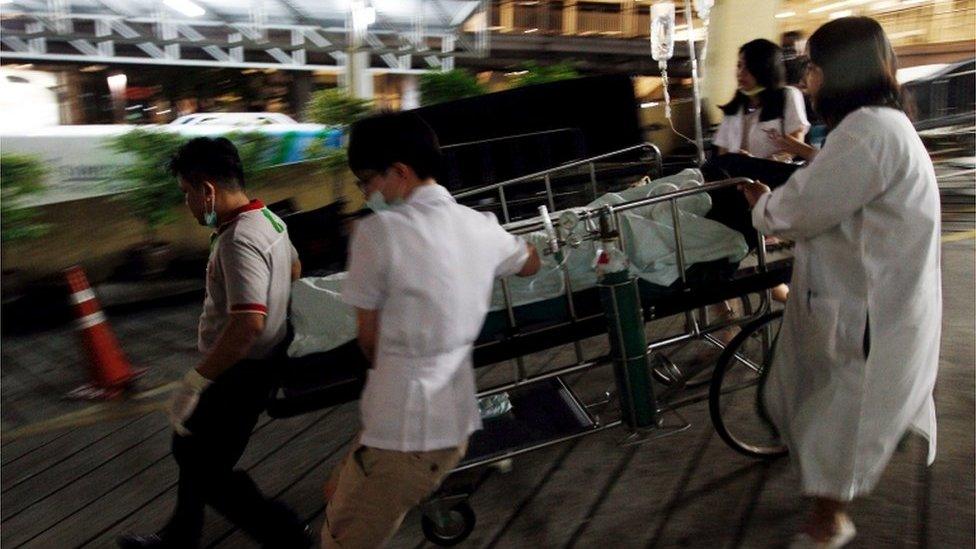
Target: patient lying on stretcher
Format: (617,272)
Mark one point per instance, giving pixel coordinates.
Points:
(322,322)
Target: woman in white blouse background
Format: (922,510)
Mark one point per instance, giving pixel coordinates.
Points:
(763,109)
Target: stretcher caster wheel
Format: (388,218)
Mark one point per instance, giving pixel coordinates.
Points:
(450,527)
(735,399)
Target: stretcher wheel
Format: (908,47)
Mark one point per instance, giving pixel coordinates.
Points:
(455,526)
(735,399)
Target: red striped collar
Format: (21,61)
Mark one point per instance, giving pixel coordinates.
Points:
(254,204)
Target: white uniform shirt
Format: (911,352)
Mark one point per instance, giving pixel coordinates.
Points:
(429,266)
(865,217)
(729,134)
(249,271)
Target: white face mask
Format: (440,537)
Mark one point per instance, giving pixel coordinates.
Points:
(210,218)
(377,202)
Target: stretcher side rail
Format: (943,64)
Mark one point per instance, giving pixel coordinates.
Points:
(472,164)
(655,158)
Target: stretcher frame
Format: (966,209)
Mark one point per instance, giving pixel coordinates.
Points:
(698,326)
(450,506)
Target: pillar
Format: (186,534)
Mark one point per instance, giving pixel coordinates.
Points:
(409,92)
(570,17)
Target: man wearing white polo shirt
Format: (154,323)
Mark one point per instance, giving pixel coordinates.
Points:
(421,273)
(216,405)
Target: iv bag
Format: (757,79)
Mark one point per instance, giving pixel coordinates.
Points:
(703,7)
(662,31)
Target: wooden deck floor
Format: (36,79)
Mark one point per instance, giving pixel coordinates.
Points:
(76,475)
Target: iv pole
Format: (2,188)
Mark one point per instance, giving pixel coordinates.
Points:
(696,90)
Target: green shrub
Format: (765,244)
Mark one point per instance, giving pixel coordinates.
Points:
(537,74)
(147,185)
(334,106)
(438,87)
(21,178)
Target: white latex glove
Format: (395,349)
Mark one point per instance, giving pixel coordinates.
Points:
(185,399)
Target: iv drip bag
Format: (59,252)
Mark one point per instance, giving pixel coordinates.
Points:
(703,7)
(662,31)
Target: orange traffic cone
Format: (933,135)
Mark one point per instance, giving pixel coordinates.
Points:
(110,371)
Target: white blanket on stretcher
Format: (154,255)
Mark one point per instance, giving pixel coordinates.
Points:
(322,322)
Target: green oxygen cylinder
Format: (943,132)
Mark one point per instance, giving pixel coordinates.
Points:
(625,328)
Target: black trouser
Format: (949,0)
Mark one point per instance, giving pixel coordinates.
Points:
(221,426)
(729,205)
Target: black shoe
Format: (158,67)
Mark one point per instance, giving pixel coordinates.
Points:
(304,540)
(134,541)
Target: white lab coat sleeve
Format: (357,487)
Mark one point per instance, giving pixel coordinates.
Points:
(843,177)
(795,112)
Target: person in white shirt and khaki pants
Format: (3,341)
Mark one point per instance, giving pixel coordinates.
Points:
(420,275)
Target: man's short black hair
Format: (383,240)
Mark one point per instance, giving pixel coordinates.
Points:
(209,159)
(377,142)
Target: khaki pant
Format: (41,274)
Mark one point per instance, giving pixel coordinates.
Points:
(371,490)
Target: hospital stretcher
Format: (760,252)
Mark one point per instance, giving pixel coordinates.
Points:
(546,410)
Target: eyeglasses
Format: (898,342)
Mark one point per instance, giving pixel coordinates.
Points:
(364,177)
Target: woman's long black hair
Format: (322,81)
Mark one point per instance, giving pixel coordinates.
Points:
(859,68)
(764,61)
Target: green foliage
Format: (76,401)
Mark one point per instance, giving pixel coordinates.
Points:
(334,106)
(256,150)
(149,188)
(438,87)
(21,177)
(537,74)
(328,160)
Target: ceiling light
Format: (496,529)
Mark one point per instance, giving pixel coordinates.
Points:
(186,7)
(784,14)
(116,83)
(839,14)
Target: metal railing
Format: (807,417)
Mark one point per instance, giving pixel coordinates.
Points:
(546,176)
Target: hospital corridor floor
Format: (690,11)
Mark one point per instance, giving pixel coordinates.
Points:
(76,474)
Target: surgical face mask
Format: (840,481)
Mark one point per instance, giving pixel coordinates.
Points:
(210,218)
(377,202)
(753,92)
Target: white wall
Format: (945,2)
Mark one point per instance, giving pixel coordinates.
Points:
(28,99)
(733,23)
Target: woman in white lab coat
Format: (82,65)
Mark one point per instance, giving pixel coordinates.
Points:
(857,355)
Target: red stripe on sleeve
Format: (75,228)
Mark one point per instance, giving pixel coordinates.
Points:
(249,308)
